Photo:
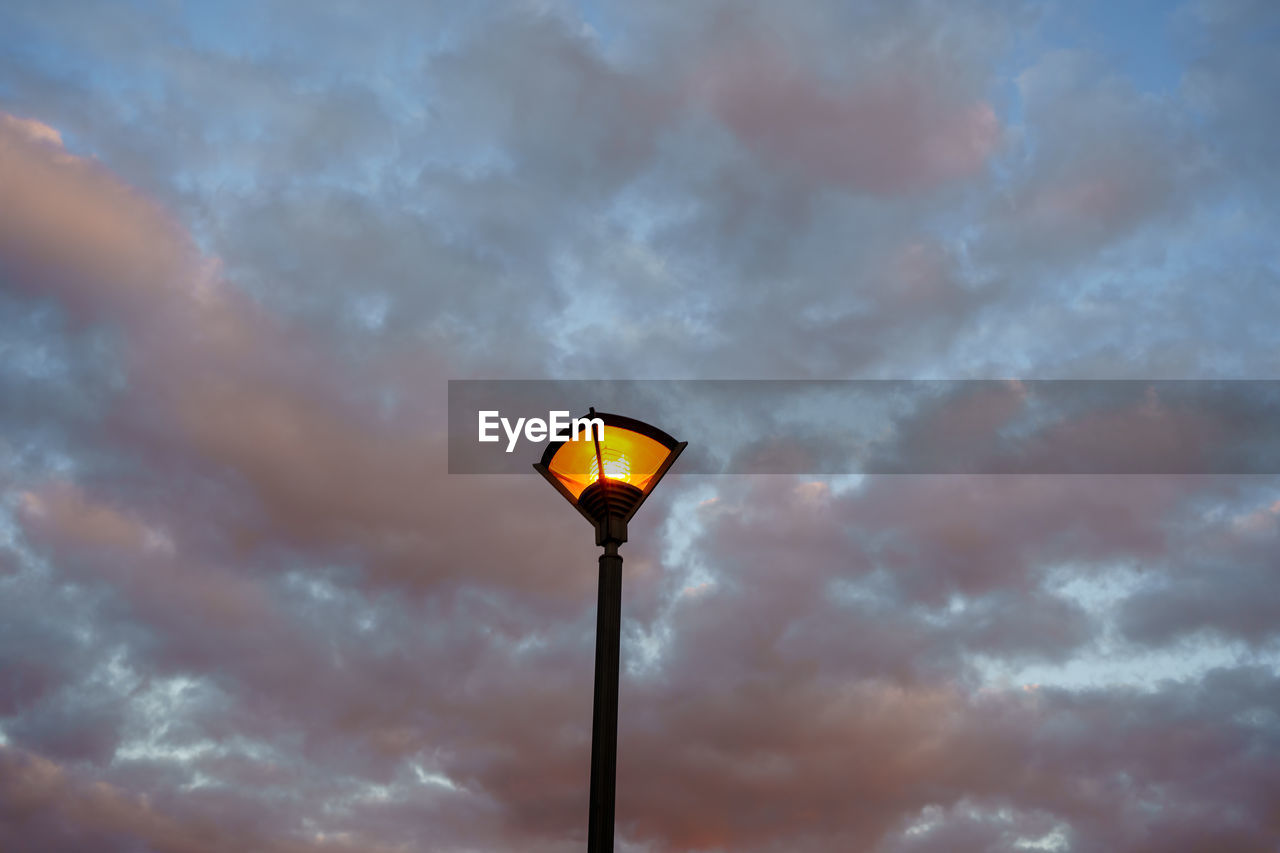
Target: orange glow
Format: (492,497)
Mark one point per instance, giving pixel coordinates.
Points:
(628,457)
(614,469)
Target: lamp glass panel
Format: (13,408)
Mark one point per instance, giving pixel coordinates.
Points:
(628,457)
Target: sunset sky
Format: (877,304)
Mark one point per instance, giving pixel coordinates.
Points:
(245,245)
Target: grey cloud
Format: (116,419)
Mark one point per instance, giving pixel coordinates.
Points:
(1101,160)
(1224,590)
(242,504)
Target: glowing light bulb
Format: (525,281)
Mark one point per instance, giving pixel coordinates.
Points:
(614,469)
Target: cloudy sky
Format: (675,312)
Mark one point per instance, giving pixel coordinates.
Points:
(244,245)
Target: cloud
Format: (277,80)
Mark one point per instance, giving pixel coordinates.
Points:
(244,606)
(213,380)
(883,136)
(47,808)
(1219,587)
(72,231)
(1099,160)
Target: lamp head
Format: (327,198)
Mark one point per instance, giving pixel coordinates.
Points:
(606,468)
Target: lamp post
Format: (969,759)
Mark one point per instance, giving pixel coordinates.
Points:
(606,475)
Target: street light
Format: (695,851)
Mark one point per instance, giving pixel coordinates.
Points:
(606,476)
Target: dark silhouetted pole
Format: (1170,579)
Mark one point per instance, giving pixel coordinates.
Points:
(606,480)
(604,718)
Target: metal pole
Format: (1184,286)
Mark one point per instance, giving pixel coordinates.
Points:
(604,720)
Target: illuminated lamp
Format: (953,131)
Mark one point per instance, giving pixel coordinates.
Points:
(606,468)
(633,456)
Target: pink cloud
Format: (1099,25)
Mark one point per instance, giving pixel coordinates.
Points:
(894,132)
(217,382)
